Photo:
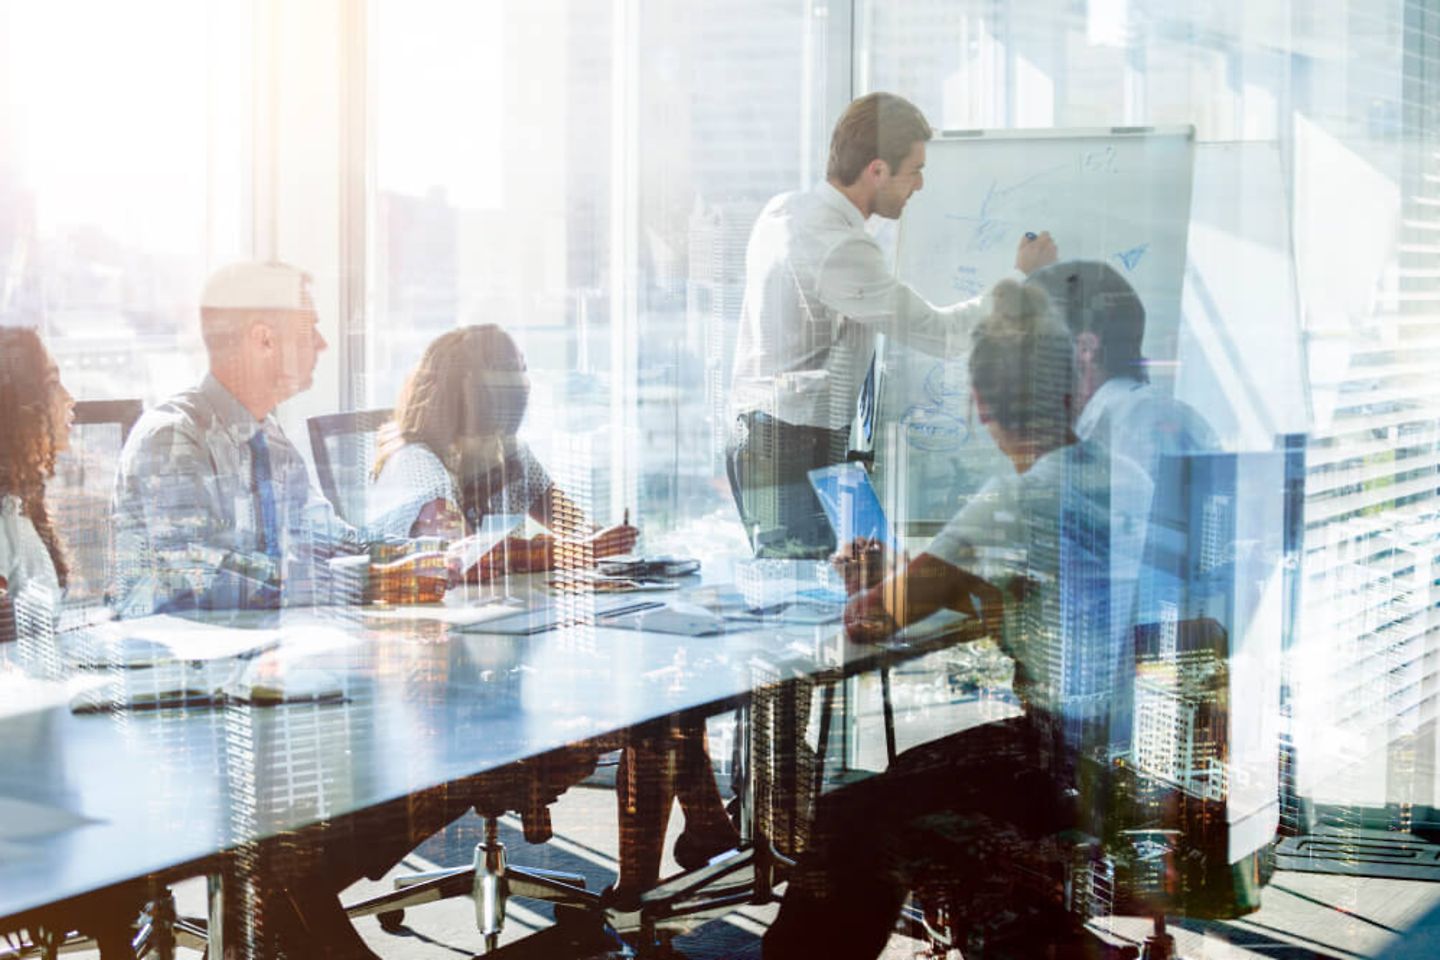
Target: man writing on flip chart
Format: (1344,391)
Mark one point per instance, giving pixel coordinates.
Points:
(818,290)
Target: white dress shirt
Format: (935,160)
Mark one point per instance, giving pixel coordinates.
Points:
(1072,527)
(1141,422)
(414,477)
(817,291)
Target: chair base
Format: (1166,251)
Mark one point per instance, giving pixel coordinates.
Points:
(490,883)
(158,933)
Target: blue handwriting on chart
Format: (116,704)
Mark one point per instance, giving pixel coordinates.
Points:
(991,225)
(1098,161)
(966,282)
(1130,259)
(947,383)
(930,429)
(939,425)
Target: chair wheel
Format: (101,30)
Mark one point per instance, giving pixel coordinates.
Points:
(391,920)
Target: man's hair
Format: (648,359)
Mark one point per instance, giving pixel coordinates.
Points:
(1092,297)
(1022,362)
(224,328)
(239,295)
(877,125)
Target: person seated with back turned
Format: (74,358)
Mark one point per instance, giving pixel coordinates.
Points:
(214,513)
(450,458)
(1041,553)
(1119,407)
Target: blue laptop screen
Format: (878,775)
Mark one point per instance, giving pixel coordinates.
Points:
(851,504)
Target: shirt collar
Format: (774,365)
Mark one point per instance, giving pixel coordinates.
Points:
(230,413)
(1100,401)
(831,195)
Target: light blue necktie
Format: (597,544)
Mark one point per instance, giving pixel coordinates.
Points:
(265,491)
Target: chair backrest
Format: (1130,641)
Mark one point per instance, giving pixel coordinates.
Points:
(79,493)
(1206,745)
(344,446)
(121,413)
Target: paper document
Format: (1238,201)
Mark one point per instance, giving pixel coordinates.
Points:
(293,670)
(453,614)
(692,622)
(560,612)
(150,641)
(21,694)
(493,529)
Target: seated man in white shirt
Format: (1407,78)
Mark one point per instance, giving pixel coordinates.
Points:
(1119,407)
(817,292)
(1049,554)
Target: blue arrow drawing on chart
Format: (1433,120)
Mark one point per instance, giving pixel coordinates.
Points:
(1130,259)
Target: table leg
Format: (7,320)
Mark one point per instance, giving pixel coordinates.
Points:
(215,927)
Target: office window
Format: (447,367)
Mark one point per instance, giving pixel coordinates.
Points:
(124,166)
(490,205)
(586,175)
(124,178)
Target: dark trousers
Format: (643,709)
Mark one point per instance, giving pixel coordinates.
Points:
(974,816)
(768,461)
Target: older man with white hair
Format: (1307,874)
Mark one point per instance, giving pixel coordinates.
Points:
(214,511)
(213,505)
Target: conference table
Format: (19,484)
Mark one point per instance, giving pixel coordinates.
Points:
(124,796)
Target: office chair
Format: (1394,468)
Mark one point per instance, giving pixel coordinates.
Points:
(343,445)
(528,787)
(122,413)
(774,787)
(1193,805)
(79,495)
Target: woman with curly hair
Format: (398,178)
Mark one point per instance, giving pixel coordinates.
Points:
(35,428)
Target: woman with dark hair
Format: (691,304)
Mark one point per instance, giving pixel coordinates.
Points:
(35,428)
(451,458)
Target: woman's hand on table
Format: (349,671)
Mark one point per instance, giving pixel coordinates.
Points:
(867,620)
(611,541)
(862,563)
(416,578)
(545,551)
